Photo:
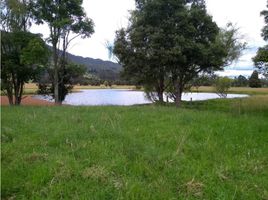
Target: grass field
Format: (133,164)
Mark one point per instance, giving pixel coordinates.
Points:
(31,88)
(238,90)
(214,149)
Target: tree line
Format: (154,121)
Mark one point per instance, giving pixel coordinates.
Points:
(211,79)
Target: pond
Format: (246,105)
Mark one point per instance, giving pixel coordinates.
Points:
(94,97)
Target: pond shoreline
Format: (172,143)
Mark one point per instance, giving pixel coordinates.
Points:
(125,97)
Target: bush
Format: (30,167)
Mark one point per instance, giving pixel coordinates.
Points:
(222,85)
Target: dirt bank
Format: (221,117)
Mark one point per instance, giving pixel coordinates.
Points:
(28,100)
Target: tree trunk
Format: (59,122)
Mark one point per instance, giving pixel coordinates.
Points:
(15,87)
(160,97)
(62,69)
(56,74)
(160,90)
(10,94)
(178,93)
(20,93)
(17,95)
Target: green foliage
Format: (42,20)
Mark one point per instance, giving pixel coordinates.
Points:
(67,20)
(89,79)
(264,13)
(22,53)
(204,79)
(261,59)
(35,52)
(254,80)
(23,56)
(231,38)
(240,81)
(69,76)
(15,15)
(209,151)
(222,85)
(63,17)
(168,43)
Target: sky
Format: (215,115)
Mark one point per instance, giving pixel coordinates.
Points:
(111,15)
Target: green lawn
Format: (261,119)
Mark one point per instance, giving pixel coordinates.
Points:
(206,150)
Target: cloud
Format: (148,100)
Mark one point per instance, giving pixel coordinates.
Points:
(109,16)
(234,73)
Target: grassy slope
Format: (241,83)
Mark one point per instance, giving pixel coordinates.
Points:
(209,150)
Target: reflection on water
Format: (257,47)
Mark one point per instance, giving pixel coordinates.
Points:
(125,97)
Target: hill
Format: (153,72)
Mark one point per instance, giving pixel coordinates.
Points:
(105,70)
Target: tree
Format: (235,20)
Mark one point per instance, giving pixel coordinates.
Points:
(212,50)
(240,81)
(142,48)
(222,85)
(169,42)
(261,59)
(204,79)
(66,20)
(22,53)
(89,79)
(254,80)
(70,73)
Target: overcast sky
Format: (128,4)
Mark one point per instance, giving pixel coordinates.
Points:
(110,15)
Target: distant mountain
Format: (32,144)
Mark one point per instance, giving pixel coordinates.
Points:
(105,70)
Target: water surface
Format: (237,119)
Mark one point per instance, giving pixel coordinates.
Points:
(124,97)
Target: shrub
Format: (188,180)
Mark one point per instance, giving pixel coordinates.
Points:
(222,85)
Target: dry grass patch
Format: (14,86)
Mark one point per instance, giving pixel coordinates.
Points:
(96,172)
(194,188)
(34,157)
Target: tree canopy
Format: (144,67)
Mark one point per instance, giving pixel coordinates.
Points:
(169,42)
(261,59)
(22,53)
(254,80)
(67,20)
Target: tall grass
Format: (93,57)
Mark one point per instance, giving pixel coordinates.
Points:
(206,150)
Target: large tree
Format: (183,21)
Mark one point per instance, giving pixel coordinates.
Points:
(22,53)
(261,59)
(67,20)
(23,56)
(169,42)
(254,80)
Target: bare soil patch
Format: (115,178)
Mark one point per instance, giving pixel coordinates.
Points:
(27,100)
